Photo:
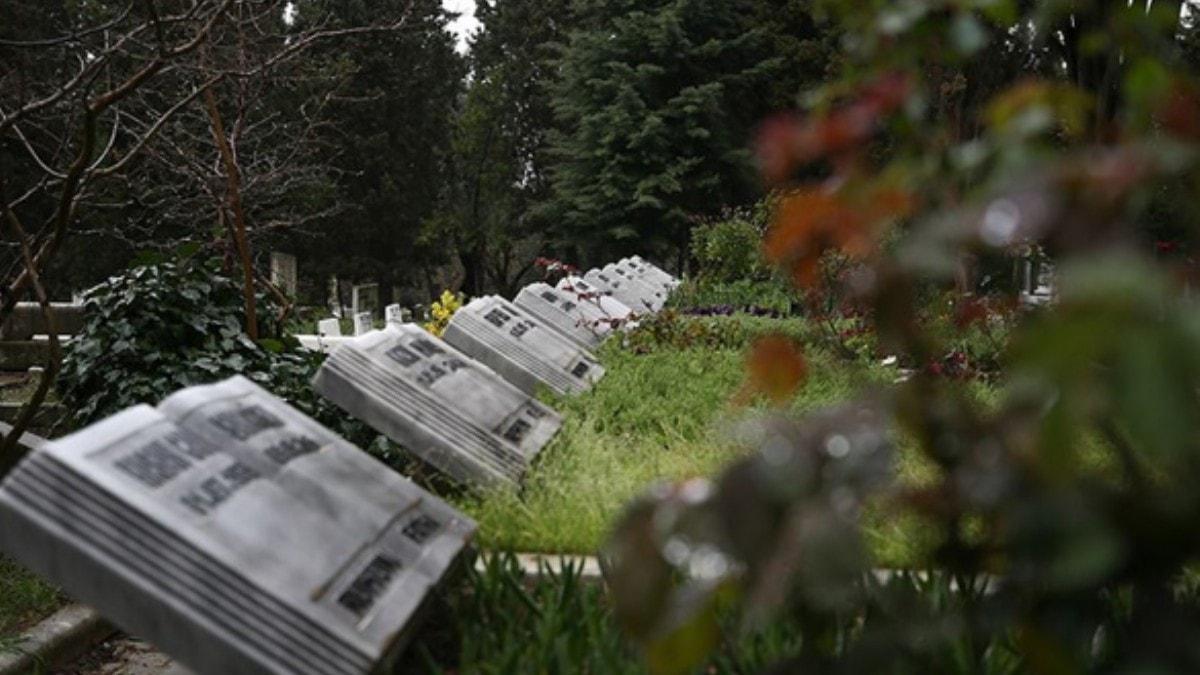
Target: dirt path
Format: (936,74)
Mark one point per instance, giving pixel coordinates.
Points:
(124,656)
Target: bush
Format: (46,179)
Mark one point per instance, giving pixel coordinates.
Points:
(671,330)
(764,296)
(1061,508)
(730,249)
(158,328)
(442,311)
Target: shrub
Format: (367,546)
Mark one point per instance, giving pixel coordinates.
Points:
(764,296)
(730,249)
(442,311)
(1063,508)
(158,328)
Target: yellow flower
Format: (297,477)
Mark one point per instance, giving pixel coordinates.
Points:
(442,311)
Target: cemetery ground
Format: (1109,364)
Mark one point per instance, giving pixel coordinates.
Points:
(667,410)
(665,415)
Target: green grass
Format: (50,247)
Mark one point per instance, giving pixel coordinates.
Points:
(662,416)
(24,599)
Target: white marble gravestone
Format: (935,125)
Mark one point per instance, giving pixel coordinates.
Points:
(363,323)
(329,328)
(654,271)
(635,296)
(393,315)
(520,348)
(234,533)
(335,297)
(451,411)
(653,294)
(364,298)
(651,276)
(610,310)
(584,323)
(283,273)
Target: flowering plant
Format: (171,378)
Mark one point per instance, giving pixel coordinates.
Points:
(442,311)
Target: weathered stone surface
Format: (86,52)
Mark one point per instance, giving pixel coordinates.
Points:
(583,322)
(363,323)
(636,296)
(449,410)
(60,637)
(393,315)
(365,298)
(652,271)
(654,294)
(610,308)
(329,328)
(23,354)
(521,349)
(284,272)
(28,320)
(234,533)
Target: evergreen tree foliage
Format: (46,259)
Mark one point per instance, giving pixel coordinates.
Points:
(499,160)
(655,105)
(390,144)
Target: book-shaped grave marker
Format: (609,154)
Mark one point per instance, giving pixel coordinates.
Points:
(234,533)
(523,350)
(637,296)
(583,321)
(444,407)
(655,294)
(615,312)
(648,274)
(653,271)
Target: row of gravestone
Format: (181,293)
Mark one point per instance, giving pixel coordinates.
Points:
(465,403)
(239,536)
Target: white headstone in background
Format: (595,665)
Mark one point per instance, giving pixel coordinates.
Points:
(365,298)
(636,297)
(654,271)
(329,328)
(647,275)
(363,323)
(393,315)
(283,273)
(653,294)
(335,297)
(449,410)
(609,309)
(234,533)
(581,322)
(522,350)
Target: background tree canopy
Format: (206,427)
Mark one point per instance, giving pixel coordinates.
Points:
(578,129)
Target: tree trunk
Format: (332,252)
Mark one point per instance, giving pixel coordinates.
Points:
(234,198)
(474,276)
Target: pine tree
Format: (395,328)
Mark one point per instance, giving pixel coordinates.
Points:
(499,159)
(655,105)
(390,144)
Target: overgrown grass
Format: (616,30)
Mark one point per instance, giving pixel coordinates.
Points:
(657,416)
(499,621)
(24,599)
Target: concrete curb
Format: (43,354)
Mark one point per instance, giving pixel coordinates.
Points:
(67,634)
(74,630)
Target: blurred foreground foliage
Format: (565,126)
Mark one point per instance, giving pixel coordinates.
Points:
(958,132)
